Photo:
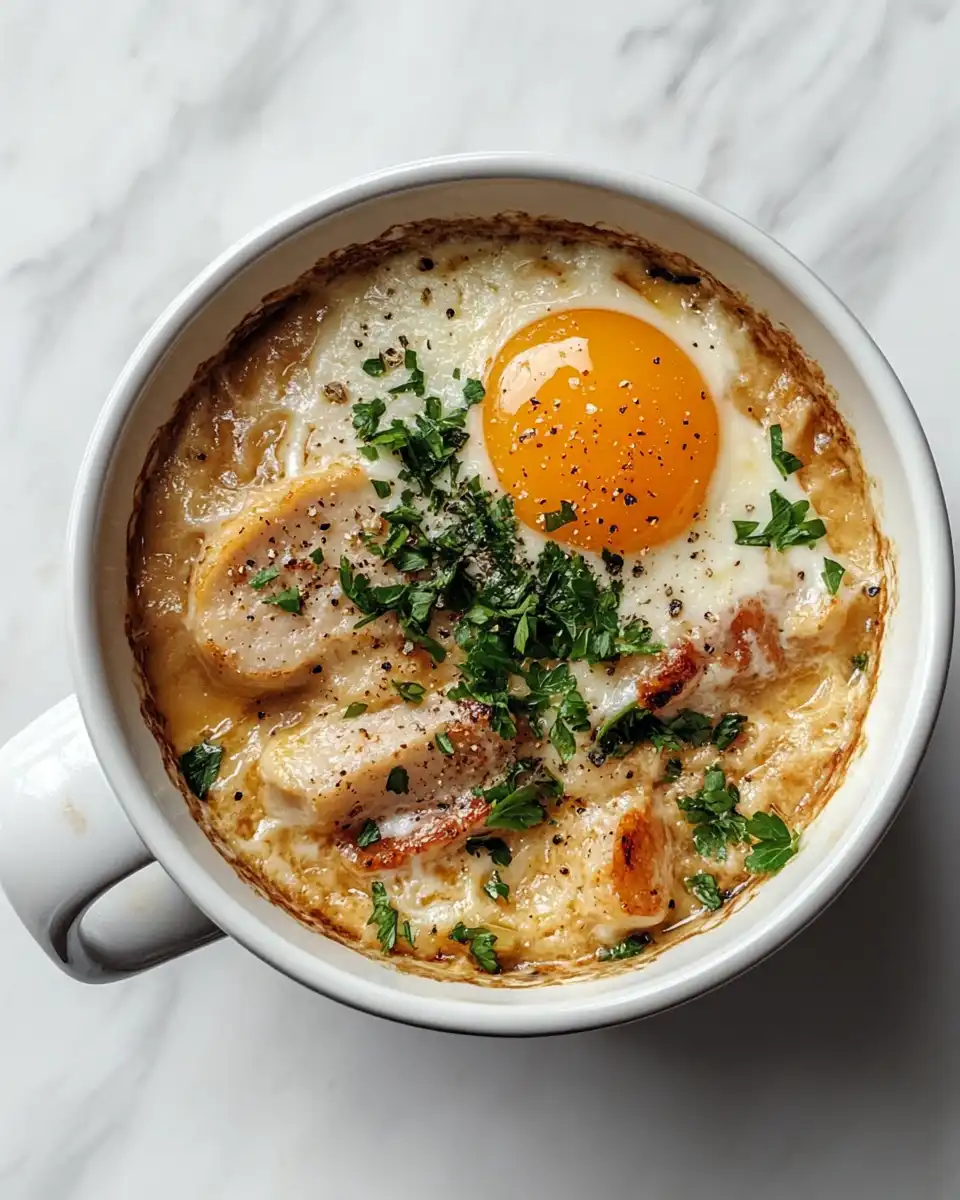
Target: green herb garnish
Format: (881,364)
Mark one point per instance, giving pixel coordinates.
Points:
(264,576)
(785,462)
(481,942)
(201,766)
(787,526)
(727,730)
(496,847)
(407,932)
(369,834)
(632,944)
(495,888)
(564,515)
(832,574)
(517,801)
(384,916)
(374,366)
(704,888)
(354,710)
(382,488)
(860,661)
(289,599)
(672,771)
(444,744)
(713,813)
(413,693)
(416,383)
(775,844)
(398,781)
(316,556)
(473,391)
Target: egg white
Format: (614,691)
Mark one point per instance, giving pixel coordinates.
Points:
(686,588)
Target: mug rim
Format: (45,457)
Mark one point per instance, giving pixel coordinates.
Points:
(451,1013)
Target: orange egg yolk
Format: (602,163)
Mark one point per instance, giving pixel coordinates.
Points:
(599,412)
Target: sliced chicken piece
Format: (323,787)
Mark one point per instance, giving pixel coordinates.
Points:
(336,774)
(264,553)
(674,677)
(640,867)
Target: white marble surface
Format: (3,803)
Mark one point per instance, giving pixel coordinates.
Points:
(137,139)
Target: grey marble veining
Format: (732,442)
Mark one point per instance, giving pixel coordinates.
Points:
(137,140)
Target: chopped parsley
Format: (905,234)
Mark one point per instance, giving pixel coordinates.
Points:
(481,942)
(473,391)
(860,661)
(713,813)
(787,526)
(374,366)
(613,562)
(444,744)
(407,932)
(517,801)
(564,515)
(398,781)
(785,462)
(201,766)
(832,574)
(413,693)
(495,888)
(704,888)
(416,383)
(672,771)
(264,576)
(775,844)
(382,488)
(384,916)
(354,710)
(289,599)
(496,847)
(316,556)
(727,730)
(369,834)
(632,944)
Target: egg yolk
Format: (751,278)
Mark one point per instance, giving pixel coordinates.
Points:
(598,412)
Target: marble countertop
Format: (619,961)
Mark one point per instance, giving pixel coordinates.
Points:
(137,140)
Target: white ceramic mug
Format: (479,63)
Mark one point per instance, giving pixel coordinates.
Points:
(85,800)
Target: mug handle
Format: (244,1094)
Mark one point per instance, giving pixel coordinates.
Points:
(65,842)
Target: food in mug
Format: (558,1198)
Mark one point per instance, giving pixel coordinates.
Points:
(508,597)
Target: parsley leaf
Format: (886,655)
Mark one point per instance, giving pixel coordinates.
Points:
(496,847)
(713,813)
(727,730)
(672,771)
(413,693)
(564,515)
(289,599)
(316,556)
(382,488)
(860,661)
(201,766)
(832,574)
(366,418)
(264,576)
(481,942)
(407,932)
(704,888)
(444,744)
(787,526)
(518,805)
(369,834)
(495,888)
(633,725)
(632,944)
(354,710)
(417,381)
(785,462)
(398,781)
(775,843)
(384,916)
(473,391)
(374,366)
